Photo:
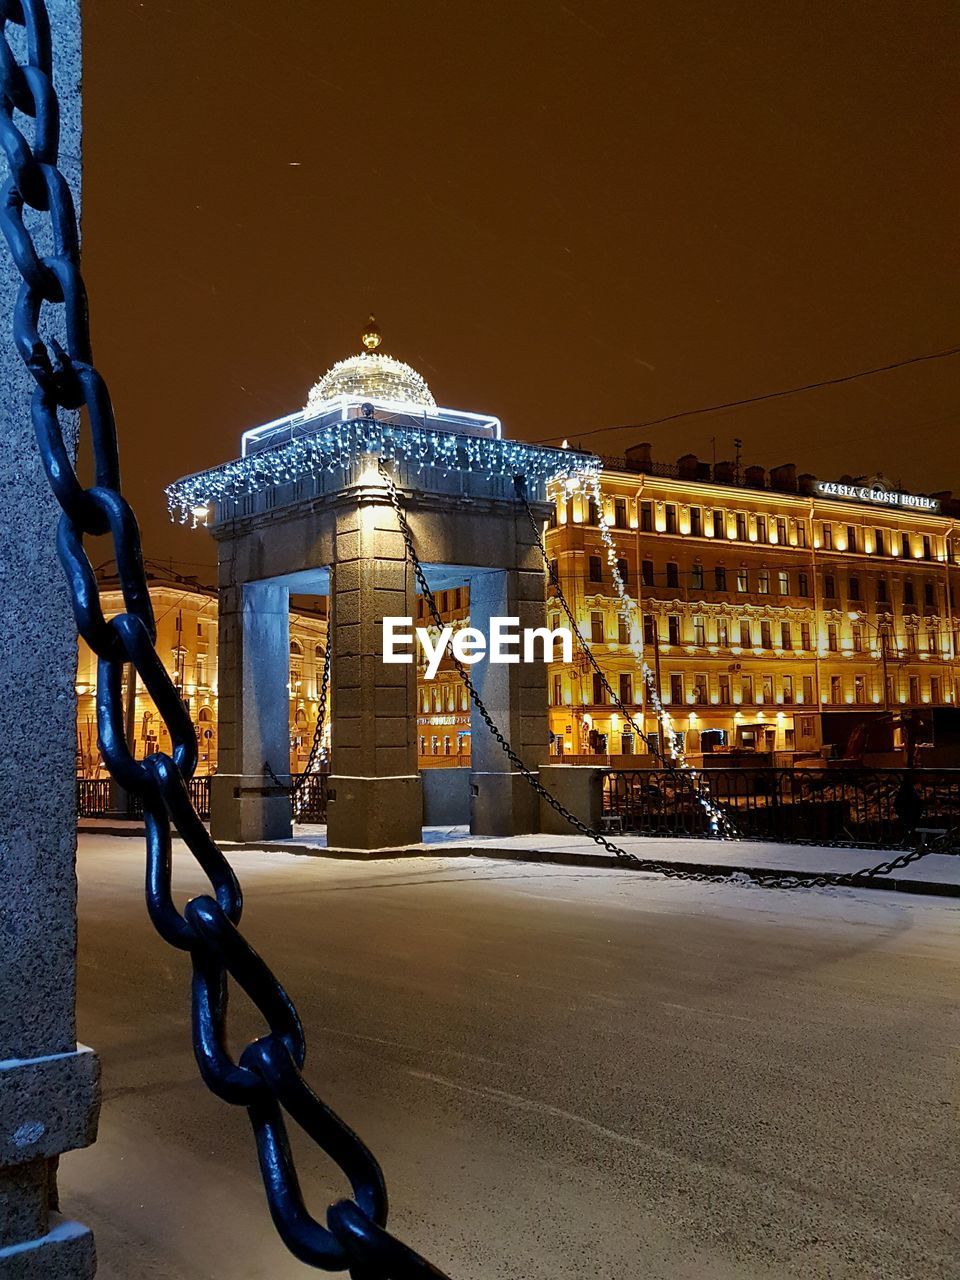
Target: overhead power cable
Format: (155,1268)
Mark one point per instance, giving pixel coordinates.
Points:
(770,395)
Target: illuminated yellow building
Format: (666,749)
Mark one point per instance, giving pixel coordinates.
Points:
(780,611)
(186,615)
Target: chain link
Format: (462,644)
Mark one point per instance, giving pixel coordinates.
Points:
(266,1079)
(318,753)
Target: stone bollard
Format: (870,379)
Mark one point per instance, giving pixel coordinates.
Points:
(49,1091)
(579,788)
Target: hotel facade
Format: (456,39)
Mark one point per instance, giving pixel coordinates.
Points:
(780,613)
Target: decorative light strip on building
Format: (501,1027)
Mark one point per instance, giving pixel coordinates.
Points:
(588,485)
(341,445)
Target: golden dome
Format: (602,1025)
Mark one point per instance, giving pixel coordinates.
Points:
(371,376)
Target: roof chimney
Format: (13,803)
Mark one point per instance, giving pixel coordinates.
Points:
(784,478)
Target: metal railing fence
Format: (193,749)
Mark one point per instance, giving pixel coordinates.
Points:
(869,808)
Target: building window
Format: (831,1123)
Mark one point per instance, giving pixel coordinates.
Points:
(673,574)
(911,639)
(592,512)
(787,686)
(859,690)
(765,637)
(905,545)
(696,522)
(746,688)
(719,524)
(908,595)
(596,569)
(882,596)
(723,634)
(720,578)
(857,633)
(700,689)
(767,693)
(699,630)
(761,528)
(801,534)
(931,640)
(596,627)
(599,692)
(557,691)
(928,595)
(832,637)
(808,689)
(783,582)
(879,544)
(836,689)
(649,629)
(743,580)
(827,539)
(723,689)
(853,587)
(829,586)
(763,582)
(554,577)
(646,572)
(623,630)
(744,633)
(852,538)
(927,547)
(624,571)
(803,585)
(626,688)
(696,577)
(935,689)
(552,518)
(676,688)
(914,689)
(646,517)
(805,636)
(673,629)
(620,513)
(741,526)
(781,531)
(671,515)
(786,637)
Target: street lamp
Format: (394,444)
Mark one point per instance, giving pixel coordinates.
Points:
(882,631)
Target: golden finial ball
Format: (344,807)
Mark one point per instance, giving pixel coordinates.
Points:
(371,336)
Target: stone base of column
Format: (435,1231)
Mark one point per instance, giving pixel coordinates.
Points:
(578,788)
(503,804)
(374,813)
(66,1252)
(241,813)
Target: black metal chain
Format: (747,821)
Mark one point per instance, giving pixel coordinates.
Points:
(267,1078)
(764,879)
(701,788)
(317,757)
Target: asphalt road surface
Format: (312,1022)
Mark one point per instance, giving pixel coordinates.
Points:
(564,1072)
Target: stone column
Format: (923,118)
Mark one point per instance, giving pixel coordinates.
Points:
(49,1092)
(375,797)
(253,674)
(503,802)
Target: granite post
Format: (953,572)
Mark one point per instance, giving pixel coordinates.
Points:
(49,1092)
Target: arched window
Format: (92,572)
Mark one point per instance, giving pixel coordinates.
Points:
(205,715)
(301,718)
(296,649)
(319,652)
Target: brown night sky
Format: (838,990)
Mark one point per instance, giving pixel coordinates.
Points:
(568,214)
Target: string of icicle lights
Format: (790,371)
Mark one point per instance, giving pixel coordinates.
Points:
(588,485)
(341,446)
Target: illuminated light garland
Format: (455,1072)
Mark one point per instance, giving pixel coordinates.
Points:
(373,376)
(340,446)
(588,484)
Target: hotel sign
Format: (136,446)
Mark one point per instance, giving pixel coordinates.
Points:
(875,495)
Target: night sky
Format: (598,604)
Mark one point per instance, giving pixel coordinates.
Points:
(572,215)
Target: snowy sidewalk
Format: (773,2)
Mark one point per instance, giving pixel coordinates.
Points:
(937,873)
